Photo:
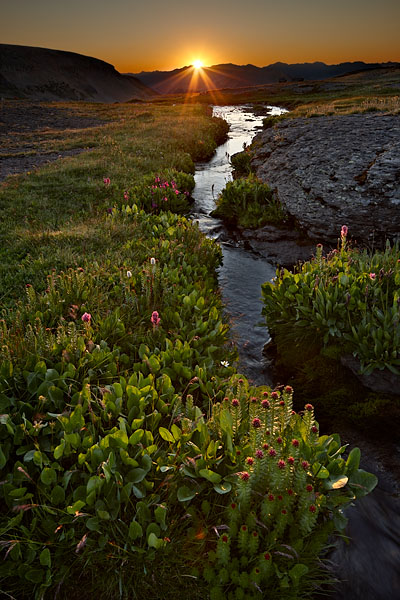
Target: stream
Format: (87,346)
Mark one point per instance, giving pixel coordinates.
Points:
(368,566)
(243,271)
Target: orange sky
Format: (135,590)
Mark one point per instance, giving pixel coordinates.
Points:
(136,35)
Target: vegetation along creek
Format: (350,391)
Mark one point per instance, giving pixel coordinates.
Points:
(367,563)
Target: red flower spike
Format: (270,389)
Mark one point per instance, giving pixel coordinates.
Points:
(225,538)
(274,395)
(265,404)
(314,429)
(272,452)
(254,400)
(259,454)
(279,440)
(250,460)
(281,464)
(245,476)
(271,497)
(256,423)
(267,556)
(255,534)
(295,443)
(309,488)
(290,460)
(288,389)
(280,497)
(244,528)
(312,508)
(309,407)
(265,394)
(233,506)
(283,511)
(305,465)
(235,402)
(282,403)
(290,492)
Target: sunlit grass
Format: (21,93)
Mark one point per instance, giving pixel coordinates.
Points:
(64,204)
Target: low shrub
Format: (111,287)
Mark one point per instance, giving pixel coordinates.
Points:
(241,163)
(248,202)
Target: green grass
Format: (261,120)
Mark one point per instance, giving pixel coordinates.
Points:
(56,216)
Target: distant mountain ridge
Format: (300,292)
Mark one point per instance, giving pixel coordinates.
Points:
(44,74)
(236,76)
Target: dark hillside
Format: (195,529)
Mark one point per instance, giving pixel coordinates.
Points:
(43,74)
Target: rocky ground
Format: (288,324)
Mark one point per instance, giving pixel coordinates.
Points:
(335,170)
(21,122)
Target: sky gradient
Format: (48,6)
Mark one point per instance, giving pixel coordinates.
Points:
(136,35)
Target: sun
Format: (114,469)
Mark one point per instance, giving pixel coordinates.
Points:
(198,64)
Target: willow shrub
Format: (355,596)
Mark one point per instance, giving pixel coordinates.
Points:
(348,300)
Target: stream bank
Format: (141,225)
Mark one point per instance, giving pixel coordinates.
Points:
(369,566)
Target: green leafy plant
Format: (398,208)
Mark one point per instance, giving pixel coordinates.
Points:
(248,202)
(285,489)
(348,299)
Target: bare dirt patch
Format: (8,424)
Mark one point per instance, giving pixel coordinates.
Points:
(23,127)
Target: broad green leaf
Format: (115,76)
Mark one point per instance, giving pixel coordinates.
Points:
(362,482)
(154,542)
(166,435)
(210,475)
(57,495)
(45,558)
(34,575)
(223,488)
(59,450)
(137,475)
(185,493)
(353,460)
(135,530)
(48,476)
(136,437)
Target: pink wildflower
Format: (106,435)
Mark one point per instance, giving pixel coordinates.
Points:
(86,317)
(235,402)
(256,423)
(245,476)
(155,318)
(106,181)
(344,231)
(372,276)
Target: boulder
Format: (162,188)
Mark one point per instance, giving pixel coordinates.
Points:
(330,171)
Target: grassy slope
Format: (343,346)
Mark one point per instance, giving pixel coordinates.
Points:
(55,217)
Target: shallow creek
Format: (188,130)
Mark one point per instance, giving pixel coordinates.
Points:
(242,272)
(369,565)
